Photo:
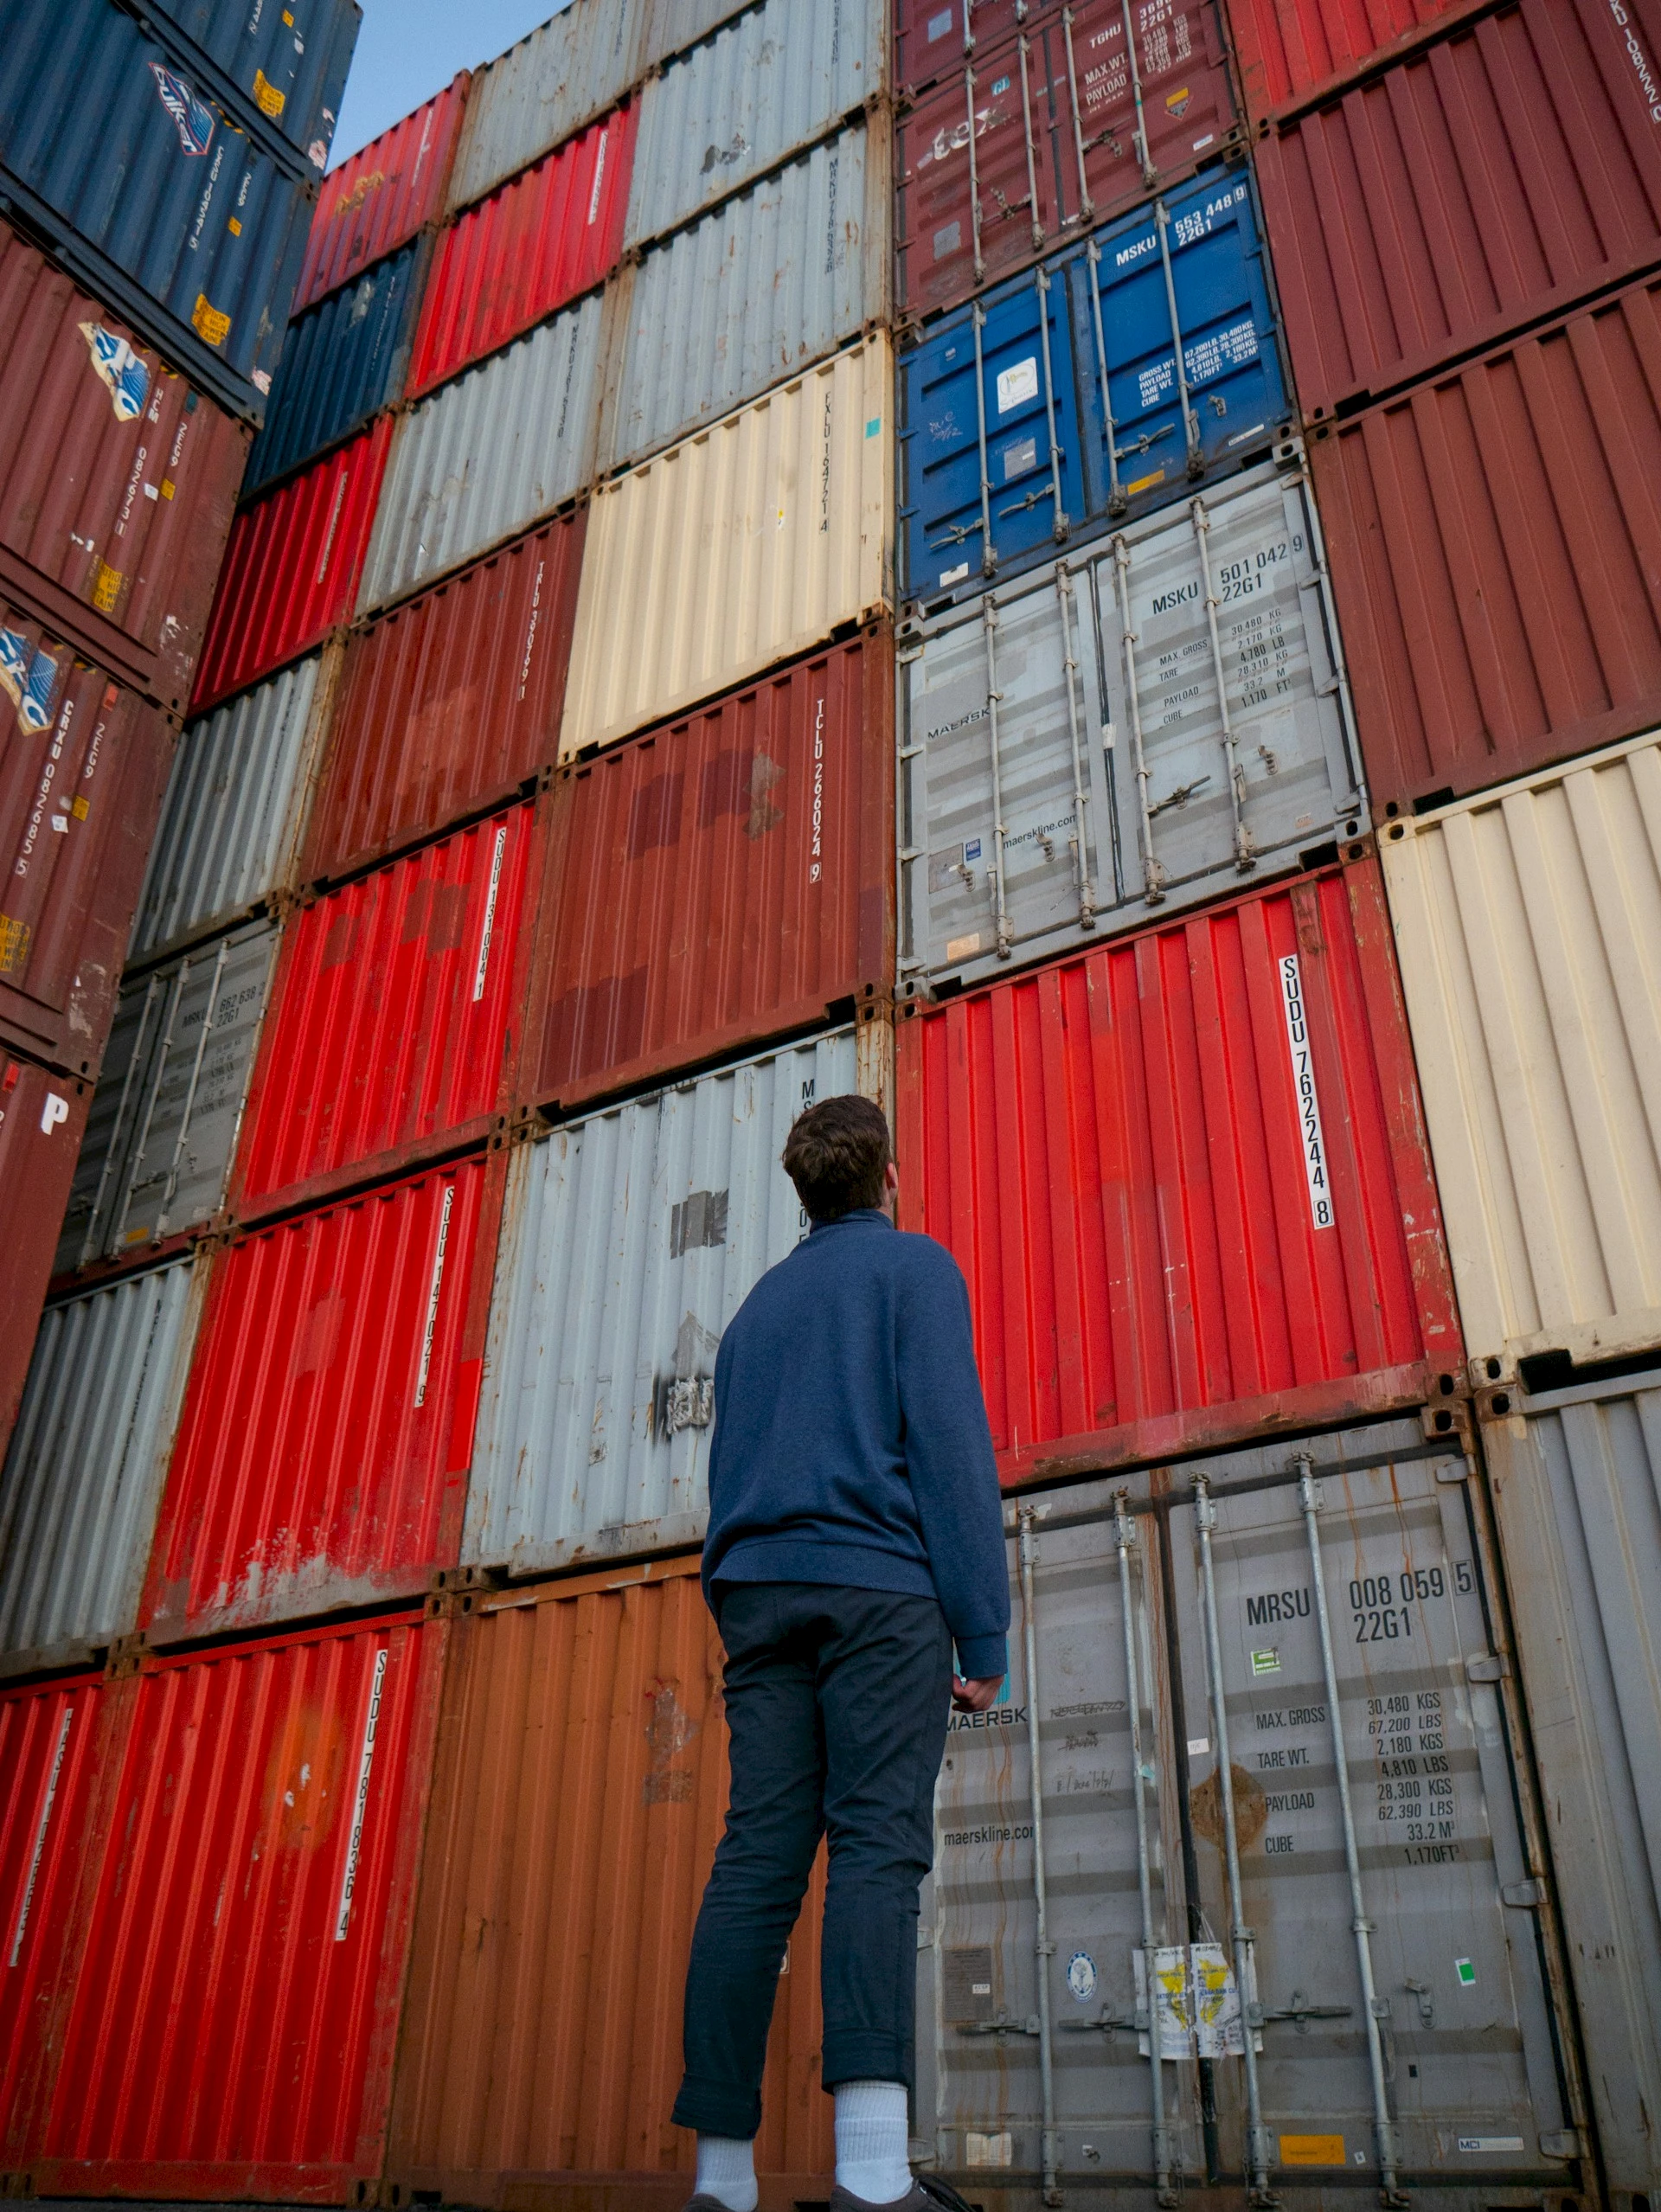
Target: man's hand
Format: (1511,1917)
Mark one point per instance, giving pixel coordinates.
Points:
(975,1696)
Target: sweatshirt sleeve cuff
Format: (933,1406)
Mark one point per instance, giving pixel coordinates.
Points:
(983,1659)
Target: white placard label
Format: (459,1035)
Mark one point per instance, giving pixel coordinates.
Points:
(482,966)
(1017,383)
(1309,1105)
(39,1837)
(432,1294)
(360,1799)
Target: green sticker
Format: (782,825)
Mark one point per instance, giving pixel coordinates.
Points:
(1466,1972)
(1265,1663)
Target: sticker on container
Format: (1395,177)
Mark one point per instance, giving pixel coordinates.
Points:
(1265,1663)
(106,587)
(360,1799)
(41,1828)
(434,1289)
(1466,1972)
(269,100)
(119,368)
(210,322)
(988,2149)
(950,576)
(1481,2143)
(1198,1747)
(1082,1976)
(1172,2012)
(1312,2150)
(14,945)
(948,239)
(1020,455)
(1217,2030)
(1303,1082)
(937,26)
(1018,384)
(28,675)
(192,120)
(963,948)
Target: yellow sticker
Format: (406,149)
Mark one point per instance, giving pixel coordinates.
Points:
(288,19)
(210,323)
(1312,2150)
(135,1236)
(1145,483)
(167,487)
(81,806)
(235,228)
(13,943)
(272,102)
(107,588)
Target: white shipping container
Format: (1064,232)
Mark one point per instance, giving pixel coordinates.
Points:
(568,70)
(741,546)
(1528,921)
(630,1239)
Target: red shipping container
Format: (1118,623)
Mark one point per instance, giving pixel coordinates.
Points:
(118,482)
(1040,169)
(242,1948)
(293,571)
(43,1119)
(1494,543)
(1186,1177)
(83,768)
(1488,181)
(724,879)
(450,703)
(931,36)
(1290,52)
(550,233)
(323,1449)
(394,1026)
(376,201)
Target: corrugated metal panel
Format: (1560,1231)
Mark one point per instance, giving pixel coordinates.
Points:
(1289,51)
(1485,183)
(165,1117)
(721,880)
(1529,923)
(147,194)
(551,233)
(236,805)
(742,547)
(1575,1478)
(542,2035)
(773,79)
(80,786)
(1185,1176)
(506,443)
(1495,539)
(631,1239)
(231,2034)
(930,37)
(395,1025)
(677,23)
(292,573)
(450,703)
(1021,148)
(117,481)
(286,65)
(344,360)
(572,68)
(1200,646)
(322,1455)
(775,279)
(380,196)
(1006,409)
(89,1456)
(41,1120)
(1433,1795)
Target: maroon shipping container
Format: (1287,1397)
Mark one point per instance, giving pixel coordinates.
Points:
(376,201)
(1488,182)
(451,702)
(1291,51)
(83,767)
(1495,543)
(323,1449)
(933,36)
(722,880)
(293,571)
(1000,161)
(42,1118)
(1186,1177)
(118,482)
(392,1032)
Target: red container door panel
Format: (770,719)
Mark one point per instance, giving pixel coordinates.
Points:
(1495,543)
(1288,50)
(233,2026)
(1038,169)
(550,233)
(328,1424)
(1185,1176)
(451,700)
(117,481)
(43,1119)
(393,1012)
(722,880)
(83,768)
(1487,182)
(293,567)
(52,1780)
(378,200)
(930,37)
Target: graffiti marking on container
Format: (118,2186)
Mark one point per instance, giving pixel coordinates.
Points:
(432,1294)
(483,961)
(1309,1105)
(39,1837)
(361,1797)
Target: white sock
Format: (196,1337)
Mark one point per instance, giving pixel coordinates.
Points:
(727,2170)
(872,2140)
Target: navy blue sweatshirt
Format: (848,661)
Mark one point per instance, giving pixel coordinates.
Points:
(850,1442)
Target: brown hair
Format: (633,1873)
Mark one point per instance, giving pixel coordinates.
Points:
(835,1156)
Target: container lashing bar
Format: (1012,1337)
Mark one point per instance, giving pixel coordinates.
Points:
(1032,153)
(1153,872)
(1125,1537)
(1191,420)
(988,549)
(994,700)
(1086,213)
(1087,890)
(1060,524)
(1043,1949)
(1116,499)
(1245,856)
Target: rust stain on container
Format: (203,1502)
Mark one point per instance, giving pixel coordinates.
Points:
(377,200)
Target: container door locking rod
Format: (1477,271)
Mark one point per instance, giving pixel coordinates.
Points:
(1125,1536)
(180,1141)
(1245,857)
(1032,162)
(994,698)
(1066,611)
(88,1242)
(1043,1948)
(1153,873)
(1191,420)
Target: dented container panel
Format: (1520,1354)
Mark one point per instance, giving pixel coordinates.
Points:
(535,95)
(42,1118)
(380,197)
(630,1240)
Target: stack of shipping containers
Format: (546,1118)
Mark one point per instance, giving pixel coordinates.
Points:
(1088,571)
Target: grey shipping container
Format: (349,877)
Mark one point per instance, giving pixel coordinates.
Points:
(1158,722)
(88,1457)
(1577,1494)
(1279,1663)
(168,1103)
(491,452)
(673,24)
(773,78)
(630,1239)
(776,279)
(237,806)
(568,70)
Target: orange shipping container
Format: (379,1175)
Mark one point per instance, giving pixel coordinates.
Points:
(578,1796)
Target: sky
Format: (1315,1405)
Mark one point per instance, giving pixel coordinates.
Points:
(409,49)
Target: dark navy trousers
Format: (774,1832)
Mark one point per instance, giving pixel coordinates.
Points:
(836,1709)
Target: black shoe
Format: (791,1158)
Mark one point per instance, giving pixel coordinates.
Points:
(700,2201)
(916,2199)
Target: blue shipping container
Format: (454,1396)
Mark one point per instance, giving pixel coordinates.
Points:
(279,66)
(148,193)
(1131,369)
(345,360)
